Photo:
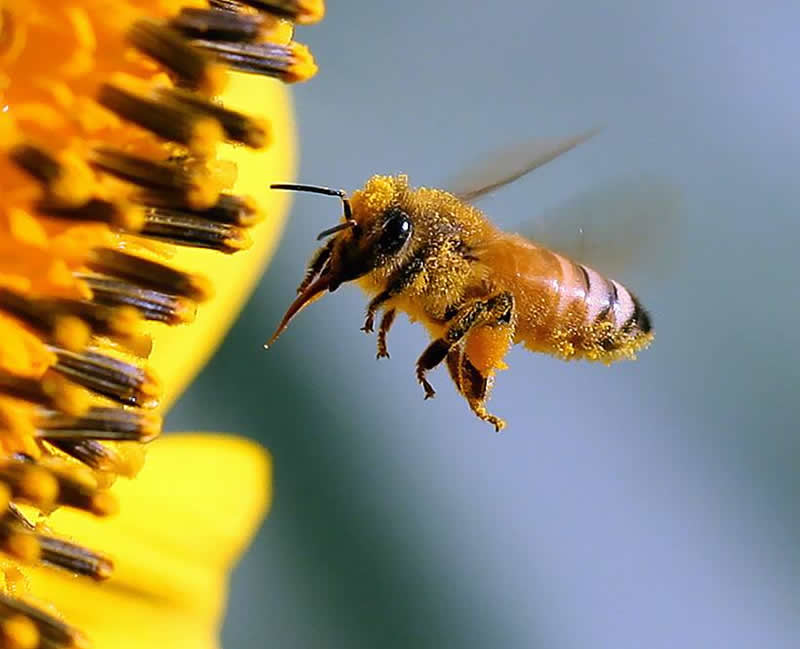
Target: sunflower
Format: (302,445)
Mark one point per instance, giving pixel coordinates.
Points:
(128,143)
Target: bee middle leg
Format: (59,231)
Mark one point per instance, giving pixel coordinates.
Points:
(498,309)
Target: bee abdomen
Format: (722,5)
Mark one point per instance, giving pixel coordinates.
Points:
(603,320)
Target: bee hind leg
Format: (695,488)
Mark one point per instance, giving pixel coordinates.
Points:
(496,309)
(473,386)
(479,408)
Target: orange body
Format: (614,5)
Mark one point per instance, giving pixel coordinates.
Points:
(561,307)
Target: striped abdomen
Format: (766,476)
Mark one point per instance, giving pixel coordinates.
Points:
(564,307)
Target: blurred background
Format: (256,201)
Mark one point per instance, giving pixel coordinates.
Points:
(650,504)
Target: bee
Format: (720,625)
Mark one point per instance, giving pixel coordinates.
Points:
(478,290)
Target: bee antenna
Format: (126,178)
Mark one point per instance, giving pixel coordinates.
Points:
(337,228)
(316,189)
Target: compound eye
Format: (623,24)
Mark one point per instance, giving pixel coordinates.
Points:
(396,230)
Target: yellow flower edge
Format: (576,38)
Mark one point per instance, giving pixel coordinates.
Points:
(110,132)
(186,518)
(179,352)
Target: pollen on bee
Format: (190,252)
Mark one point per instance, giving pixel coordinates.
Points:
(486,348)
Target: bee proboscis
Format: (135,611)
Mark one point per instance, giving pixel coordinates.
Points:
(434,256)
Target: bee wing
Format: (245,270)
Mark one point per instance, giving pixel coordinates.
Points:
(508,165)
(616,227)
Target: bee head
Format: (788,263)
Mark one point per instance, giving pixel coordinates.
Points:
(374,231)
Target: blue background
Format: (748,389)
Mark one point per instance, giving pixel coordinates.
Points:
(650,504)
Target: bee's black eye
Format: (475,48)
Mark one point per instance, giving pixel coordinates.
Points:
(395,232)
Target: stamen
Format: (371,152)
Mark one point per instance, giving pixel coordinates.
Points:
(80,491)
(140,345)
(193,67)
(29,483)
(47,314)
(190,230)
(39,163)
(55,326)
(238,127)
(229,208)
(302,12)
(51,391)
(18,542)
(149,274)
(193,183)
(152,304)
(226,5)
(222,24)
(74,558)
(290,63)
(99,423)
(69,183)
(126,383)
(18,632)
(120,214)
(53,632)
(92,453)
(198,132)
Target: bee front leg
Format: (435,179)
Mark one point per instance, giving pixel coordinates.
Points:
(372,309)
(386,324)
(397,283)
(498,309)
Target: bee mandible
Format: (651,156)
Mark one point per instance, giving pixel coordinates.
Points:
(434,256)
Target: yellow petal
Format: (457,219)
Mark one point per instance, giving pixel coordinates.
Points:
(180,352)
(183,521)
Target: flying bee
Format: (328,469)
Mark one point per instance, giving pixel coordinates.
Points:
(434,256)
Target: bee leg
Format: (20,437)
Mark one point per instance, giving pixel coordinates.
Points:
(315,265)
(386,324)
(479,408)
(372,309)
(397,283)
(498,309)
(434,354)
(455,359)
(473,385)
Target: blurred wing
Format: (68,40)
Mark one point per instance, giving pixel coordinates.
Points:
(619,228)
(508,165)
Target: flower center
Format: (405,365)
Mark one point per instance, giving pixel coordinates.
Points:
(108,132)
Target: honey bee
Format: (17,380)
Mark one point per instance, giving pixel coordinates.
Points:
(478,290)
